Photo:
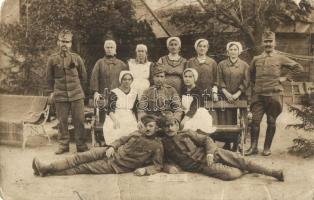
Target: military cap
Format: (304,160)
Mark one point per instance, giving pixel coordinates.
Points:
(268,35)
(149,118)
(158,69)
(65,35)
(170,118)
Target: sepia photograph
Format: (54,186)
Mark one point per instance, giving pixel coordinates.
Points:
(156,99)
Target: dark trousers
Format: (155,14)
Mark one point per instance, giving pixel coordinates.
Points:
(271,105)
(90,162)
(230,165)
(77,111)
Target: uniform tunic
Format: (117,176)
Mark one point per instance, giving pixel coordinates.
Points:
(188,150)
(160,101)
(121,104)
(267,91)
(173,70)
(131,152)
(66,77)
(232,77)
(207,73)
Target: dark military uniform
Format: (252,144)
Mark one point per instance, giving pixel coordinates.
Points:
(189,150)
(267,92)
(66,77)
(159,101)
(131,152)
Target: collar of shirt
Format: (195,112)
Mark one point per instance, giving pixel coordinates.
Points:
(64,54)
(110,60)
(174,57)
(232,64)
(271,54)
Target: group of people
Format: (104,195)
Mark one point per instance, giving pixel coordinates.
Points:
(168,97)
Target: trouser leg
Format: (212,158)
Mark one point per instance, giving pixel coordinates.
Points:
(95,167)
(77,110)
(235,160)
(221,171)
(63,109)
(274,108)
(258,110)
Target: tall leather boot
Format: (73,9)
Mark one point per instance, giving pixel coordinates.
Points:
(40,169)
(256,168)
(254,141)
(270,132)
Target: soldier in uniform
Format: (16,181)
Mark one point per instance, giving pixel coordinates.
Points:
(160,98)
(266,78)
(196,152)
(141,151)
(105,74)
(66,77)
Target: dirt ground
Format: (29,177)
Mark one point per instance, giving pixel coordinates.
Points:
(19,183)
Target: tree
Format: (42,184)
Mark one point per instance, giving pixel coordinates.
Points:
(247,17)
(34,38)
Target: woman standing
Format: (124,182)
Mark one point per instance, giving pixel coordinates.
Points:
(196,117)
(173,63)
(122,101)
(206,68)
(141,68)
(233,78)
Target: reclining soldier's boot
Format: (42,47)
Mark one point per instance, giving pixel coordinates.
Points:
(40,168)
(270,132)
(257,168)
(254,141)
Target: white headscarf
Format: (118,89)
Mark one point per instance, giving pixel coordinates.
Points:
(173,38)
(124,72)
(238,44)
(199,41)
(107,42)
(141,46)
(195,73)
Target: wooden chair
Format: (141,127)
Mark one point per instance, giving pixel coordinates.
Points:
(36,128)
(239,130)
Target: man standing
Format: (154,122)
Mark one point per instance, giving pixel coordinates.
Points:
(66,76)
(266,72)
(160,98)
(105,74)
(196,152)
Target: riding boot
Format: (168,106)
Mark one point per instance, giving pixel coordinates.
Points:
(270,132)
(253,167)
(254,141)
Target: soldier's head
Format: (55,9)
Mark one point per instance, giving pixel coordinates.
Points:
(174,45)
(171,125)
(110,47)
(151,124)
(269,41)
(201,46)
(159,75)
(65,40)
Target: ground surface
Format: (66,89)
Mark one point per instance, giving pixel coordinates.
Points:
(19,183)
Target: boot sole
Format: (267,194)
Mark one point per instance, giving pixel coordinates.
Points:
(37,167)
(36,172)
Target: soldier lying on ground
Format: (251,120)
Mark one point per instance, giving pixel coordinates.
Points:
(140,151)
(196,152)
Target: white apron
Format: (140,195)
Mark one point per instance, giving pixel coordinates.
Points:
(141,76)
(123,114)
